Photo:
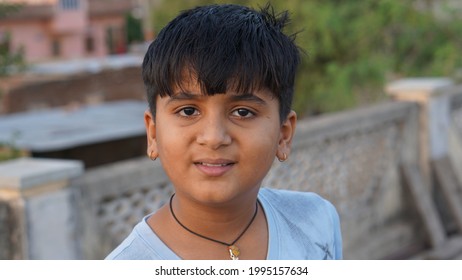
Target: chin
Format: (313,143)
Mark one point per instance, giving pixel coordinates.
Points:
(215,197)
(219,195)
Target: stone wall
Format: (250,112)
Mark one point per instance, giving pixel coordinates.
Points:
(353,159)
(456,111)
(5,248)
(38,217)
(11,224)
(38,93)
(454,146)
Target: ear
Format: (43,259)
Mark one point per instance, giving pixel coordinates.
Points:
(286,136)
(150,124)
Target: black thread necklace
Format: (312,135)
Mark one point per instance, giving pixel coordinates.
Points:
(233,250)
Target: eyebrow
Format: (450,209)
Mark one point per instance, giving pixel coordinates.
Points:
(183,96)
(235,98)
(248,97)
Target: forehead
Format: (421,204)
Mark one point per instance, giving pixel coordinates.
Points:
(191,84)
(192,91)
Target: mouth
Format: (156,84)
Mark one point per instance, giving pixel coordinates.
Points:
(214,164)
(214,168)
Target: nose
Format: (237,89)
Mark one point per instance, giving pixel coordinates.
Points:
(214,132)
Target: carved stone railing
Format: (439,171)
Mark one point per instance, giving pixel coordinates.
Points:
(114,198)
(353,159)
(436,194)
(455,129)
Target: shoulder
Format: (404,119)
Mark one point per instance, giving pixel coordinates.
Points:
(132,248)
(291,201)
(141,244)
(302,218)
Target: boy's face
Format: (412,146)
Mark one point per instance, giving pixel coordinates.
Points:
(217,149)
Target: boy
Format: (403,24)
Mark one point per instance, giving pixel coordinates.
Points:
(219,82)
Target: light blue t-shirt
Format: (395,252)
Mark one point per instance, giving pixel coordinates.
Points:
(302,226)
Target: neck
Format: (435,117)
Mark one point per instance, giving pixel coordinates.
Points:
(223,222)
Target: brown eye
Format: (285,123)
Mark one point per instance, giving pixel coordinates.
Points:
(188,112)
(243,113)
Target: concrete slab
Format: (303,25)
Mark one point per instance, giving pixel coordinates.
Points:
(58,129)
(421,85)
(25,173)
(91,65)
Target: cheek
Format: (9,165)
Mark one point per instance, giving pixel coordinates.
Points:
(169,142)
(264,147)
(172,155)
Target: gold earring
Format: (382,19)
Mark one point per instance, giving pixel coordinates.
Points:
(284,157)
(153,158)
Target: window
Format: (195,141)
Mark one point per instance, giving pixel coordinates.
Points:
(69,4)
(4,42)
(110,41)
(56,48)
(89,44)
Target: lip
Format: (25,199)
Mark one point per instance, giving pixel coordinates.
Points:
(214,167)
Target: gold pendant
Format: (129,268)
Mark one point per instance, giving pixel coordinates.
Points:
(234,252)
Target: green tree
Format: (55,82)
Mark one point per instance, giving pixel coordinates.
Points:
(353,47)
(9,60)
(8,149)
(6,8)
(134,29)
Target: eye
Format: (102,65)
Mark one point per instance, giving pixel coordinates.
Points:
(243,113)
(188,112)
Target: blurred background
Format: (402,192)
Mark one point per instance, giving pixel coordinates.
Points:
(72,139)
(352,48)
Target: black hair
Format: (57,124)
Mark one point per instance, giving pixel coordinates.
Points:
(226,47)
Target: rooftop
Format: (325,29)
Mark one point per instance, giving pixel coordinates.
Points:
(62,128)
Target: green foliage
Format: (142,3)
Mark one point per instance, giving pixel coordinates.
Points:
(134,29)
(7,8)
(9,61)
(8,150)
(353,47)
(166,10)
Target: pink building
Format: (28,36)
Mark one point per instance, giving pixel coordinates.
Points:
(57,29)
